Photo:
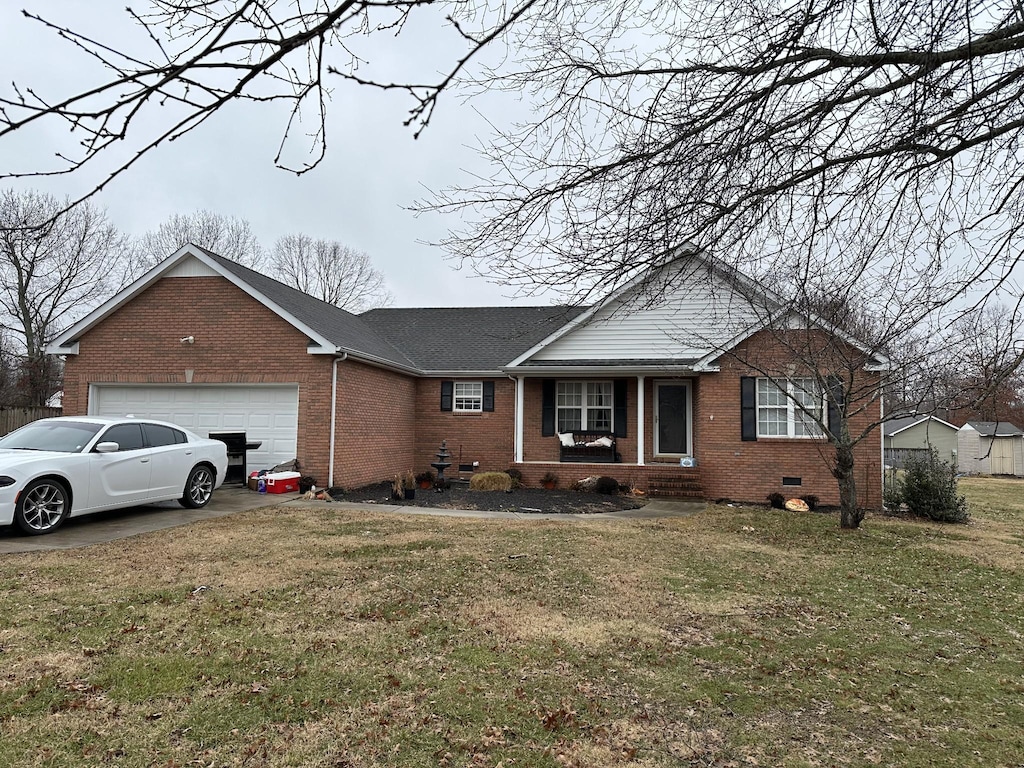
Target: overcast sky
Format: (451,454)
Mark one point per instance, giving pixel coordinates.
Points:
(374,167)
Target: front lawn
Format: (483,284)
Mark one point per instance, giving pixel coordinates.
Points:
(323,637)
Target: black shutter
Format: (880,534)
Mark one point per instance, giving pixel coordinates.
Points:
(547,408)
(748,408)
(447,387)
(619,399)
(488,395)
(835,404)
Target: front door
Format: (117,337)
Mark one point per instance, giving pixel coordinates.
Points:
(672,418)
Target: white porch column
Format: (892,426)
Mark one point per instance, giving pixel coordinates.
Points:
(518,443)
(640,420)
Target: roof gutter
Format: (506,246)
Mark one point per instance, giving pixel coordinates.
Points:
(334,415)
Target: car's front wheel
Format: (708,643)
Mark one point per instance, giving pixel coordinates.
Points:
(198,488)
(42,507)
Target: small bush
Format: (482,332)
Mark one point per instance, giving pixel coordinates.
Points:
(811,500)
(549,478)
(425,478)
(516,475)
(490,481)
(929,489)
(607,485)
(892,494)
(777,500)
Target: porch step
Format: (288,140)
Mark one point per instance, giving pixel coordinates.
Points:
(682,483)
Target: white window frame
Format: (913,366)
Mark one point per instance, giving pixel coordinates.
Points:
(796,418)
(585,407)
(472,401)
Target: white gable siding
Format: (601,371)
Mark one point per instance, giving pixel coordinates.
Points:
(689,322)
(191,267)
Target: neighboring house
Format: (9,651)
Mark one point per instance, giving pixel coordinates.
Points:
(204,342)
(991,448)
(917,432)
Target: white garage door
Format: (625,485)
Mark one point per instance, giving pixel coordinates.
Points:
(264,412)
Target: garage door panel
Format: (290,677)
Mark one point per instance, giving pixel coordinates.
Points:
(267,413)
(265,421)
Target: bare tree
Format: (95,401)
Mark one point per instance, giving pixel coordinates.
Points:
(755,131)
(765,134)
(330,271)
(981,372)
(192,57)
(227,236)
(8,372)
(56,264)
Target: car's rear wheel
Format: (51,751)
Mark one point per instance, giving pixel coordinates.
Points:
(198,487)
(42,507)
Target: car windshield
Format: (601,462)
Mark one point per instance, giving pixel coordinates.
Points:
(63,436)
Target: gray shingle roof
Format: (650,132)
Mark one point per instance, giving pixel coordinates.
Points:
(990,428)
(892,426)
(471,339)
(467,338)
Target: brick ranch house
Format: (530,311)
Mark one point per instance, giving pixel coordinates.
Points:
(204,342)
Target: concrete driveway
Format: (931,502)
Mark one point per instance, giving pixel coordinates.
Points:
(123,523)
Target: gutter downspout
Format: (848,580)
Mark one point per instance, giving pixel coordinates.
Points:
(334,415)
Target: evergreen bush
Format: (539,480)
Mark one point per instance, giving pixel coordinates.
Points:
(929,489)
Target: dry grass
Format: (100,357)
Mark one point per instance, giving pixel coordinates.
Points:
(490,481)
(332,638)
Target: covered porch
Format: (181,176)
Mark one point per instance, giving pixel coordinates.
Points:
(642,429)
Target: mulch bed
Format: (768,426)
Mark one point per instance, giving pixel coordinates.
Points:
(523,500)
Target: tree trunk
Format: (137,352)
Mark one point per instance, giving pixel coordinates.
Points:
(849,514)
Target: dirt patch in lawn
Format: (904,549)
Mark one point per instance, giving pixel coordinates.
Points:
(523,500)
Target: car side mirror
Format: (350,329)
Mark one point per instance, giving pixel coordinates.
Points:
(107,447)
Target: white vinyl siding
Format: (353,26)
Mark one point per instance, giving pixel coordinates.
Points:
(584,406)
(469,396)
(694,319)
(789,408)
(192,267)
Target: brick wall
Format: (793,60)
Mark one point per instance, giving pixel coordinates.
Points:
(237,341)
(729,467)
(749,471)
(486,437)
(376,425)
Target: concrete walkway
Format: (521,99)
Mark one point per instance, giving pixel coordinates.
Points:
(124,523)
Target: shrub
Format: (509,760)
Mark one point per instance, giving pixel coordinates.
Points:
(490,481)
(516,475)
(606,485)
(425,478)
(777,500)
(892,493)
(929,489)
(811,500)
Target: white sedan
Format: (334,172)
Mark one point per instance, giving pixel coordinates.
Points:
(67,466)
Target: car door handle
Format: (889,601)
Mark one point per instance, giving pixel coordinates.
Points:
(144,461)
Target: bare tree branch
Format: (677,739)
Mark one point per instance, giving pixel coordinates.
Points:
(330,271)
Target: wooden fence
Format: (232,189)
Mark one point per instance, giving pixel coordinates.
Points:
(12,418)
(896,458)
